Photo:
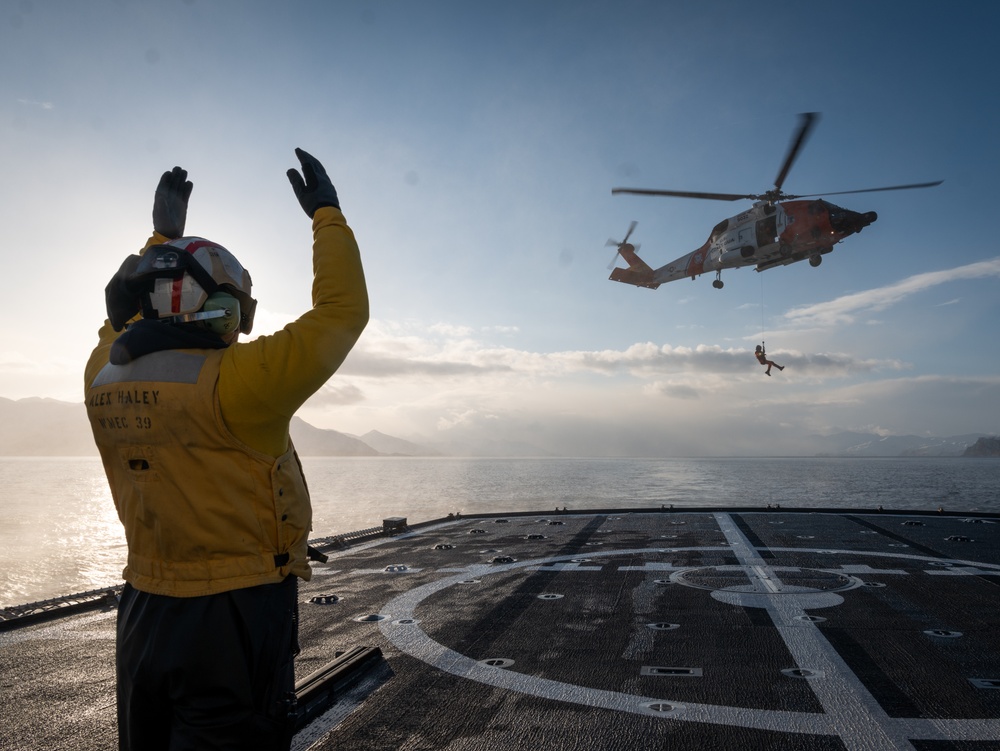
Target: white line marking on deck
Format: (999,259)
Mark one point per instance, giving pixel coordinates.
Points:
(851,713)
(855,716)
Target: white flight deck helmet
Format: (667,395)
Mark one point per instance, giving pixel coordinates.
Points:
(192,279)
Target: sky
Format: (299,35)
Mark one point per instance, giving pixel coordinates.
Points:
(474,146)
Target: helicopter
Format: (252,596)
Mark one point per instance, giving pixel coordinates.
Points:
(777,230)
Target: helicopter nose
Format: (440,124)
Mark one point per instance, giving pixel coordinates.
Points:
(849,222)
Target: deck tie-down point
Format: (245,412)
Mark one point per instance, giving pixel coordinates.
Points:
(674,672)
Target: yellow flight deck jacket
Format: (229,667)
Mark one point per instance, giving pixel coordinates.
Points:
(195,441)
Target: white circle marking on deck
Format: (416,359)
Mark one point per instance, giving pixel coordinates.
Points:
(850,712)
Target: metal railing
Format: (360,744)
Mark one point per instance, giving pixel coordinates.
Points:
(17,616)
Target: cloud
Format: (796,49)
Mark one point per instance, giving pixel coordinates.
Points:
(338,394)
(15,362)
(844,310)
(450,386)
(375,365)
(389,353)
(451,330)
(672,390)
(924,404)
(464,418)
(37,104)
(718,420)
(266,321)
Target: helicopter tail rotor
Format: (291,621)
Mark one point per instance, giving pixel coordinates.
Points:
(619,243)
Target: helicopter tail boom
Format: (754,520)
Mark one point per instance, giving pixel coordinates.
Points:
(638,272)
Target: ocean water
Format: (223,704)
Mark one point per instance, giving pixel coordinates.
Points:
(59,533)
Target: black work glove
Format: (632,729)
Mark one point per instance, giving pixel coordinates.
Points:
(121,296)
(170,204)
(315,190)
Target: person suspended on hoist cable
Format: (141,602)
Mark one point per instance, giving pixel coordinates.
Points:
(762,359)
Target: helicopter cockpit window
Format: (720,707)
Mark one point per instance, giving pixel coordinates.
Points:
(720,228)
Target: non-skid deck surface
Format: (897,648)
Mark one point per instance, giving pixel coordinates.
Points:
(728,629)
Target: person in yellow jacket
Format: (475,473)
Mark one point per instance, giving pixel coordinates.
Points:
(192,427)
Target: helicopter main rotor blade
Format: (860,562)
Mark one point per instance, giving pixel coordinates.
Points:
(683,194)
(870,190)
(808,121)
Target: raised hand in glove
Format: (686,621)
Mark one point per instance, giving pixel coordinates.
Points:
(170,204)
(313,188)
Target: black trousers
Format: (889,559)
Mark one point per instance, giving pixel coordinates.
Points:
(213,672)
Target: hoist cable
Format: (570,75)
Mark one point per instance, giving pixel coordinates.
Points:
(762,310)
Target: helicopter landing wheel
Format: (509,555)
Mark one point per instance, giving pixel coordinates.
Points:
(815,261)
(718,284)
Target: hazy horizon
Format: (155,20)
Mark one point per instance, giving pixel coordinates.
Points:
(46,427)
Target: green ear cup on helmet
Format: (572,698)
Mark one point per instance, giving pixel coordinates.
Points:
(229,306)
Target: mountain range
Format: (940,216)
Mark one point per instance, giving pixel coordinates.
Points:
(47,427)
(867,444)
